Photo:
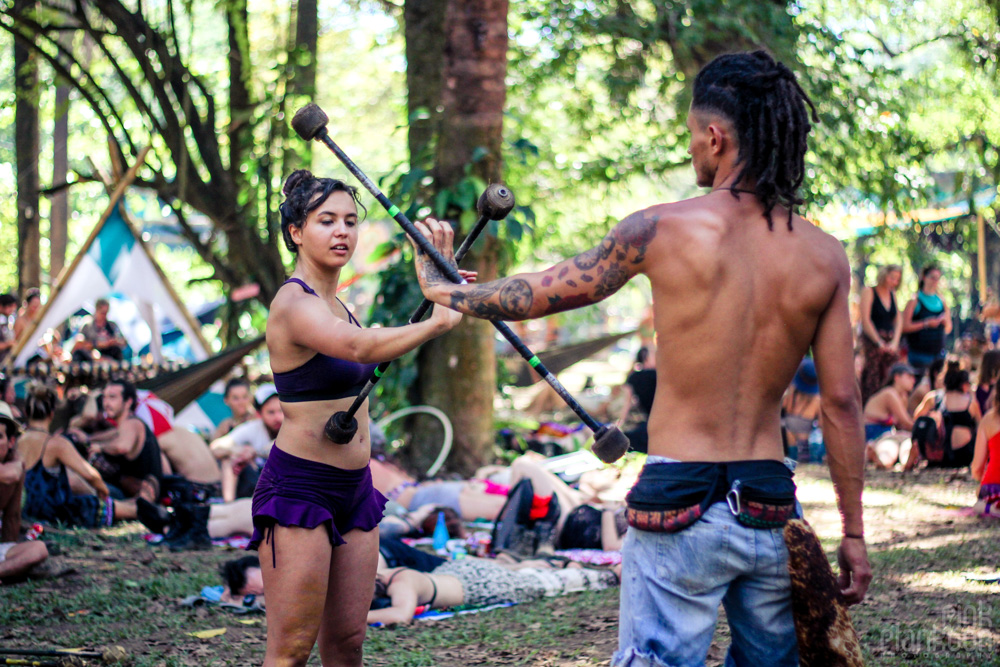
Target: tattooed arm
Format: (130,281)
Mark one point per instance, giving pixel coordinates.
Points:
(585,279)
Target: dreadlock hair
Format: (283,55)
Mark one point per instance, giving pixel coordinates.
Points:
(767,106)
(301,189)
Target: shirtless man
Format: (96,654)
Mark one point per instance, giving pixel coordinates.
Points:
(131,447)
(888,422)
(735,276)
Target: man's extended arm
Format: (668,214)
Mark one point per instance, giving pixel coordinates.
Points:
(585,279)
(840,401)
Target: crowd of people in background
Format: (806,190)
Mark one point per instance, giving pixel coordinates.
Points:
(96,337)
(926,403)
(89,461)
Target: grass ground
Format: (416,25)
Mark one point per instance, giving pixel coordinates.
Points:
(921,610)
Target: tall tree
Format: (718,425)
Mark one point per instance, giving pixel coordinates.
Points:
(458,371)
(27,142)
(200,163)
(301,86)
(59,199)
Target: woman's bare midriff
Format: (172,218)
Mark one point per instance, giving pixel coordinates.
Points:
(302,434)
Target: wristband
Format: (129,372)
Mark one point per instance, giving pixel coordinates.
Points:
(854,537)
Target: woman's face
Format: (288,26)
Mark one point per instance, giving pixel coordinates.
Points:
(893,278)
(330,233)
(931,281)
(238,400)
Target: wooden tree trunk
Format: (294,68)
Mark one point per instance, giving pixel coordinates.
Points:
(301,87)
(26,148)
(458,371)
(59,202)
(425,44)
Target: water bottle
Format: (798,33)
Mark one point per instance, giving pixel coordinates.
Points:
(440,534)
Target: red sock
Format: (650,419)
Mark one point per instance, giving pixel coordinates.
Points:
(539,507)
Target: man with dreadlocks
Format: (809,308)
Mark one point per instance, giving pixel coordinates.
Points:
(742,288)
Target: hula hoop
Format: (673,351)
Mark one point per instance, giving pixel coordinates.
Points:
(427,410)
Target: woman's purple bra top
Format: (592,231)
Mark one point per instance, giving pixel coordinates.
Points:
(322,378)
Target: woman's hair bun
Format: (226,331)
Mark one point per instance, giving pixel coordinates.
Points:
(295,179)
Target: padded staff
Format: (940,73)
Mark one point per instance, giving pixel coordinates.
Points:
(494,204)
(609,442)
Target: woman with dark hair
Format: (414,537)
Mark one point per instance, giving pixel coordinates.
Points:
(49,461)
(989,373)
(986,461)
(959,413)
(314,509)
(881,328)
(926,321)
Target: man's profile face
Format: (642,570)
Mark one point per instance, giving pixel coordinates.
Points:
(700,149)
(113,400)
(907,382)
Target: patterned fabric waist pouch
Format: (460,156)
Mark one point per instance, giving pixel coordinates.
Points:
(669,497)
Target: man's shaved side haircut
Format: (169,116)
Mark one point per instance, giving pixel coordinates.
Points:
(767,108)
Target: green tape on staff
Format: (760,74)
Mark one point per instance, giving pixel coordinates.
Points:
(534,361)
(378,373)
(393,211)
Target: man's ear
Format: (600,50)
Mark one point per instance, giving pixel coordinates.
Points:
(719,138)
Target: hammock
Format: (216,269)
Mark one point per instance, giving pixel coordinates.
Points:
(183,386)
(557,359)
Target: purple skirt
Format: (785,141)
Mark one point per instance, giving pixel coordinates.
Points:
(293,491)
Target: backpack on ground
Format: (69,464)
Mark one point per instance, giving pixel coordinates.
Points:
(516,532)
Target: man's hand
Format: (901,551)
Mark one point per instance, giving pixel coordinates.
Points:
(855,570)
(441,235)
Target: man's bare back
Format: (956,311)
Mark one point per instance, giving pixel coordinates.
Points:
(736,307)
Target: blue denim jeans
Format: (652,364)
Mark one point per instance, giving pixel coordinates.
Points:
(672,584)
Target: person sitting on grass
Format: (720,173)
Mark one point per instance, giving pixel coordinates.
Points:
(47,460)
(237,397)
(129,453)
(989,373)
(16,558)
(239,450)
(888,423)
(800,411)
(986,462)
(959,412)
(477,582)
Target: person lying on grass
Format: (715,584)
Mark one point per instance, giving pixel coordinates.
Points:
(477,582)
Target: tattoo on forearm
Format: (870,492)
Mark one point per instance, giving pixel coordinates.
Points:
(513,298)
(514,295)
